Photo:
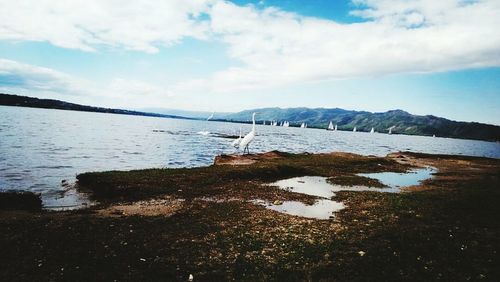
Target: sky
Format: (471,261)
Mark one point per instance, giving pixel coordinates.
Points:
(422,56)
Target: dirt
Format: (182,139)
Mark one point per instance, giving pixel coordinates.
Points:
(165,224)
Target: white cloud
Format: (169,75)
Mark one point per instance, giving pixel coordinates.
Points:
(19,78)
(15,75)
(87,24)
(275,48)
(281,48)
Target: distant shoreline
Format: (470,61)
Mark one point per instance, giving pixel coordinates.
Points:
(29,102)
(439,127)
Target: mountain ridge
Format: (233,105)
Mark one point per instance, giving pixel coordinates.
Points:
(400,121)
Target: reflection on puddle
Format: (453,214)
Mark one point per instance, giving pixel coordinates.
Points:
(321,209)
(309,185)
(319,186)
(395,180)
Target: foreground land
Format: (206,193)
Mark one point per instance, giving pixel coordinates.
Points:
(165,224)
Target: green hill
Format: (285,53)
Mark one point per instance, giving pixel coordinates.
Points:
(400,121)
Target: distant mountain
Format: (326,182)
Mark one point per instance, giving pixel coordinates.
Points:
(400,121)
(24,101)
(184,113)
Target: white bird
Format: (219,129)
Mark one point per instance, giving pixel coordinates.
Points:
(249,137)
(236,142)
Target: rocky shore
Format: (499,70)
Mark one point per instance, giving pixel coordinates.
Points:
(168,224)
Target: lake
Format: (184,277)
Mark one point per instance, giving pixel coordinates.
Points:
(41,147)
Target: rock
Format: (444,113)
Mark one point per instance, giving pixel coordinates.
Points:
(191,277)
(278,202)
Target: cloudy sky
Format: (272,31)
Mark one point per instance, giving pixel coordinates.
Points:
(423,56)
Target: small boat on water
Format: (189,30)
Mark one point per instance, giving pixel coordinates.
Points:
(372,131)
(335,129)
(330,126)
(303,125)
(354,129)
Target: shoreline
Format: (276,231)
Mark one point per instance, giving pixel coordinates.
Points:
(158,224)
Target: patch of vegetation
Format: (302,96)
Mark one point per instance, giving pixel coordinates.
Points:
(226,180)
(14,200)
(355,180)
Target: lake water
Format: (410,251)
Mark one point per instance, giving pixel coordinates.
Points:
(41,147)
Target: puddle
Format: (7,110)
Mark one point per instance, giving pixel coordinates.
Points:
(395,180)
(309,185)
(319,187)
(321,209)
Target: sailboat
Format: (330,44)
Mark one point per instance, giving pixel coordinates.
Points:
(335,129)
(330,126)
(286,124)
(303,125)
(372,131)
(390,130)
(354,129)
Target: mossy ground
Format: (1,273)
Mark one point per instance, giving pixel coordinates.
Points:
(446,229)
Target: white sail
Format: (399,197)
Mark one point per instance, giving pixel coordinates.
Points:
(303,125)
(335,129)
(372,131)
(354,129)
(330,126)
